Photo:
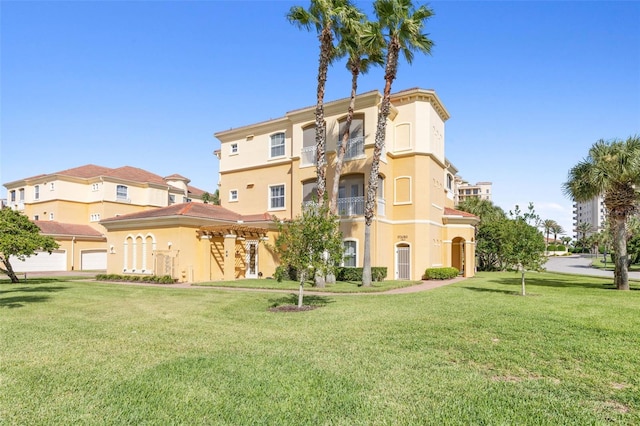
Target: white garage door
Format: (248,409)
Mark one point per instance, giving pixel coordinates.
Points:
(42,261)
(93,260)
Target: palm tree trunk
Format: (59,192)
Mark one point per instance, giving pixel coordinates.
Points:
(333,205)
(381,128)
(366,263)
(621,272)
(326,44)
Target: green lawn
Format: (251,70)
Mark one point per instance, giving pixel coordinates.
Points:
(469,353)
(338,287)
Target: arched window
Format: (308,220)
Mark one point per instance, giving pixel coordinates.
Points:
(277,145)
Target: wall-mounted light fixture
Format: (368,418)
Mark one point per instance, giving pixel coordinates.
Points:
(169,245)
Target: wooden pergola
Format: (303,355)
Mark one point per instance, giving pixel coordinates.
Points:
(239,230)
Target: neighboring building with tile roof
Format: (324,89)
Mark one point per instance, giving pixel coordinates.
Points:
(191,242)
(69,203)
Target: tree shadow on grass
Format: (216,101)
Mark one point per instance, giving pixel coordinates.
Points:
(18,301)
(556,281)
(38,280)
(308,300)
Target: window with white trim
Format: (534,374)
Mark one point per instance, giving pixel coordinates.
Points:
(13,196)
(121,192)
(36,192)
(276,197)
(95,217)
(95,187)
(21,194)
(172,199)
(234,148)
(233,195)
(350,256)
(52,186)
(51,216)
(36,217)
(277,145)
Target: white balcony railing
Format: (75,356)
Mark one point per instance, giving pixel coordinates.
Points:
(381,207)
(355,148)
(308,155)
(351,206)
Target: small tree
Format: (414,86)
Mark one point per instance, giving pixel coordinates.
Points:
(206,197)
(21,238)
(308,241)
(524,244)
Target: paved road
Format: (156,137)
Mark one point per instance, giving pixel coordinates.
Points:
(580,265)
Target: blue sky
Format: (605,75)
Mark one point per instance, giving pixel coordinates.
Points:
(530,86)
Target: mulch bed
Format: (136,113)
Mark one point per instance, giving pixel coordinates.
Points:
(292,308)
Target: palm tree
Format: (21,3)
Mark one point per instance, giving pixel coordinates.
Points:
(401,25)
(360,59)
(557,229)
(548,225)
(612,169)
(327,16)
(583,229)
(484,209)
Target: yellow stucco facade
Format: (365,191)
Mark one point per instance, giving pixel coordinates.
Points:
(270,167)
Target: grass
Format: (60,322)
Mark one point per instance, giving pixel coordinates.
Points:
(473,352)
(338,287)
(599,263)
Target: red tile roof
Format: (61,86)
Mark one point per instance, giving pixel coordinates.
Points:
(453,212)
(50,227)
(133,174)
(197,210)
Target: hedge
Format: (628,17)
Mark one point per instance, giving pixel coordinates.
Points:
(441,273)
(152,279)
(378,273)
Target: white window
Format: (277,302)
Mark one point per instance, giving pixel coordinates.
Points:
(233,195)
(52,186)
(50,216)
(13,196)
(95,187)
(95,217)
(277,145)
(350,256)
(36,217)
(21,194)
(121,192)
(172,199)
(276,197)
(234,148)
(36,192)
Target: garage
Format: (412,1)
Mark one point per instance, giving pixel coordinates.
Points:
(41,262)
(93,260)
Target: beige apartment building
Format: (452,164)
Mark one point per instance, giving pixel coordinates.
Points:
(269,167)
(466,190)
(69,205)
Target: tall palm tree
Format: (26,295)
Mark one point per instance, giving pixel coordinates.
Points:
(326,16)
(548,225)
(583,229)
(401,25)
(613,169)
(557,229)
(360,59)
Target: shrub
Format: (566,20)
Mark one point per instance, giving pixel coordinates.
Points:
(378,273)
(445,273)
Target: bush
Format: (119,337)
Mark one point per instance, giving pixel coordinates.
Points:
(441,273)
(556,247)
(378,273)
(164,279)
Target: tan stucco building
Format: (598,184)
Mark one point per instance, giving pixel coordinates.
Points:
(68,206)
(269,166)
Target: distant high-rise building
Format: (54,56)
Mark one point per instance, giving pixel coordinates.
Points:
(592,212)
